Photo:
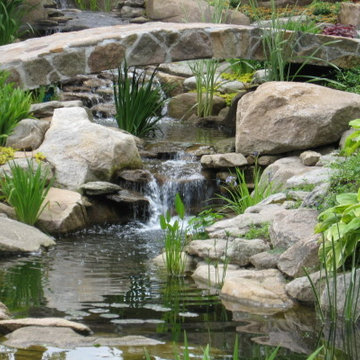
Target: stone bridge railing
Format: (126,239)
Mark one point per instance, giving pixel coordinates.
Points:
(60,56)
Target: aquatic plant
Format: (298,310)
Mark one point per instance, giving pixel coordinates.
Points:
(207,81)
(14,106)
(174,239)
(238,196)
(197,224)
(25,190)
(11,14)
(138,101)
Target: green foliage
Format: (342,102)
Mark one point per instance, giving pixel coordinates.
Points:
(228,97)
(321,8)
(94,5)
(11,14)
(347,80)
(352,142)
(14,106)
(6,154)
(245,77)
(308,26)
(341,228)
(344,179)
(258,231)
(199,223)
(25,190)
(138,101)
(174,239)
(239,197)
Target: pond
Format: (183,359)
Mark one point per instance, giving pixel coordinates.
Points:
(104,278)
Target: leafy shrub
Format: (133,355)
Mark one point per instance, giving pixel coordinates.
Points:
(352,142)
(238,196)
(341,227)
(25,190)
(258,231)
(174,239)
(321,8)
(11,13)
(138,101)
(198,224)
(14,106)
(340,30)
(6,154)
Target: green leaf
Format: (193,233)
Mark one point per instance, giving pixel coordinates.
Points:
(163,223)
(355,123)
(347,198)
(179,206)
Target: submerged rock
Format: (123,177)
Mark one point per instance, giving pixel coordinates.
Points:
(66,338)
(17,237)
(7,326)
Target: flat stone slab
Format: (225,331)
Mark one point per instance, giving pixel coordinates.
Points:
(57,57)
(262,289)
(17,237)
(7,326)
(66,338)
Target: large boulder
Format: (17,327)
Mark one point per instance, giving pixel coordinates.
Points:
(291,226)
(282,116)
(190,11)
(16,237)
(4,312)
(300,256)
(228,160)
(82,151)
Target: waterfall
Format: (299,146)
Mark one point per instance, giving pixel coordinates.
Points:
(180,175)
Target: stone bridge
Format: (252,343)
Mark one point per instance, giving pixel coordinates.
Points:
(49,59)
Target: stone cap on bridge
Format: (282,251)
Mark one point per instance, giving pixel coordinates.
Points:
(57,57)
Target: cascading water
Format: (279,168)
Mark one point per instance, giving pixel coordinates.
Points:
(179,175)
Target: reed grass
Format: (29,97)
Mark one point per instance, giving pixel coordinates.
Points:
(238,197)
(25,190)
(138,101)
(11,14)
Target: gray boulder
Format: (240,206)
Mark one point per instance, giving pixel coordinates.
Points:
(282,116)
(16,237)
(99,188)
(82,151)
(228,160)
(303,254)
(64,212)
(46,109)
(290,226)
(189,11)
(264,260)
(343,283)
(28,134)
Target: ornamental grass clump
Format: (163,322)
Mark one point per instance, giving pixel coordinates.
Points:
(14,106)
(25,190)
(11,14)
(138,101)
